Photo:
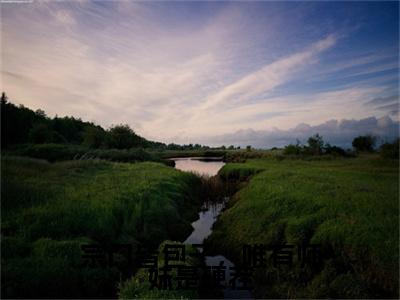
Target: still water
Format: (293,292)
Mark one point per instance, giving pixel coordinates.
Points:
(208,215)
(209,167)
(209,212)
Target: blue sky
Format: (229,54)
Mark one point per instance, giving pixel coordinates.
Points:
(261,73)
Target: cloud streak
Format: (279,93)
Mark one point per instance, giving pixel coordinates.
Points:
(268,77)
(185,71)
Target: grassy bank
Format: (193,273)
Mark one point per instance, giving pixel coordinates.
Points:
(349,206)
(63,152)
(50,210)
(188,153)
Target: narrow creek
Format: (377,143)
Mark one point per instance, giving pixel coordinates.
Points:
(209,213)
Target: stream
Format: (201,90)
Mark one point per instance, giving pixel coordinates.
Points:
(207,216)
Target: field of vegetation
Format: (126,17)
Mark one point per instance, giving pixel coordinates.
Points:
(350,206)
(50,209)
(67,182)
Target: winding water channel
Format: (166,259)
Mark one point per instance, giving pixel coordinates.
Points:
(207,216)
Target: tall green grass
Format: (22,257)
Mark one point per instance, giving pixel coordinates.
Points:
(349,206)
(63,152)
(139,286)
(49,210)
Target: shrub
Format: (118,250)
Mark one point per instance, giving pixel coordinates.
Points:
(292,149)
(51,152)
(335,150)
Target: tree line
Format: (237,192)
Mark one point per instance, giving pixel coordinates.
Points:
(21,125)
(364,143)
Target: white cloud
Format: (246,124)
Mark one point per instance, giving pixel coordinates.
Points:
(336,132)
(129,63)
(268,77)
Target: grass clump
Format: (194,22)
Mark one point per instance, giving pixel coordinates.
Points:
(238,171)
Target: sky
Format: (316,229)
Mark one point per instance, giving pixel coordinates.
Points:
(241,73)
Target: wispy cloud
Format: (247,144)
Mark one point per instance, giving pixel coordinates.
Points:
(383,100)
(182,71)
(388,105)
(268,77)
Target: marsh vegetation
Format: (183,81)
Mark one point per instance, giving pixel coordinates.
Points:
(67,183)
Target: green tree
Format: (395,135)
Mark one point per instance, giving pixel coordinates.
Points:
(71,128)
(123,137)
(94,136)
(315,144)
(41,133)
(364,143)
(16,122)
(41,113)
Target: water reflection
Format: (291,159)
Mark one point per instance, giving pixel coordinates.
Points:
(199,165)
(208,215)
(210,211)
(202,227)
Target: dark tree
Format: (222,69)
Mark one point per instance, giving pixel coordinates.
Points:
(364,143)
(4,98)
(16,122)
(315,144)
(94,136)
(71,128)
(390,150)
(41,113)
(123,137)
(41,133)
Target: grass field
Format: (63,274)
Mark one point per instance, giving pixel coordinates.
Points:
(348,205)
(50,210)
